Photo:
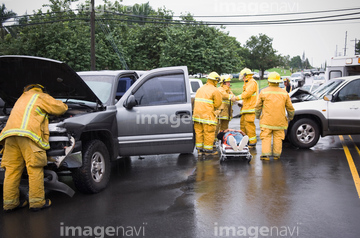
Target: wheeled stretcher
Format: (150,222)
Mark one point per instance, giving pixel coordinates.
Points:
(228,153)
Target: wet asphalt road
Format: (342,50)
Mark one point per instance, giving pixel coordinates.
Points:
(307,193)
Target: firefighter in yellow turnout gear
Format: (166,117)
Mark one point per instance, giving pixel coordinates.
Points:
(25,138)
(270,108)
(228,97)
(207,101)
(249,96)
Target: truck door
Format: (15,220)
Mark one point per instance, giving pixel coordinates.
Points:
(160,120)
(344,112)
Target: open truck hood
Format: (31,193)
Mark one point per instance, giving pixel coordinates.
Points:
(60,81)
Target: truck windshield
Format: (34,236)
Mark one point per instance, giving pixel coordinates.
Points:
(100,85)
(327,88)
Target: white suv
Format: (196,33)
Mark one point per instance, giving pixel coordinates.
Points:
(332,109)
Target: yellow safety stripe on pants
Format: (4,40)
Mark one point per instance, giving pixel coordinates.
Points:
(274,127)
(266,154)
(35,200)
(199,145)
(208,147)
(204,100)
(12,201)
(29,107)
(224,118)
(211,122)
(247,111)
(252,138)
(225,102)
(20,132)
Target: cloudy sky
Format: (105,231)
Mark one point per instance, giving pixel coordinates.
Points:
(319,41)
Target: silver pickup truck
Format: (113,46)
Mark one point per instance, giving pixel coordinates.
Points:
(112,114)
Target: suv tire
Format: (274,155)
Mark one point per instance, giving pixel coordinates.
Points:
(93,176)
(304,133)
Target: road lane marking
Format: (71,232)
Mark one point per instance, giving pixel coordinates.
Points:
(357,148)
(352,166)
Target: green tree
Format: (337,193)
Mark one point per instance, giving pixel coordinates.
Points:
(262,55)
(296,63)
(202,48)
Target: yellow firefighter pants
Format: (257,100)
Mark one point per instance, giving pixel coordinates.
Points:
(222,125)
(204,135)
(247,125)
(266,136)
(18,153)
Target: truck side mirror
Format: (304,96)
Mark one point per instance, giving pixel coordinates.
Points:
(130,102)
(328,98)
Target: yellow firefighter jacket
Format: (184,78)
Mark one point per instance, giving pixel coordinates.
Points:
(29,117)
(207,100)
(271,106)
(226,106)
(249,96)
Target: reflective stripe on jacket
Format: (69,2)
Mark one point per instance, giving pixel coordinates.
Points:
(29,117)
(249,96)
(207,100)
(271,106)
(226,106)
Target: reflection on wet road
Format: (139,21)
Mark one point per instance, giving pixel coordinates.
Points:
(307,193)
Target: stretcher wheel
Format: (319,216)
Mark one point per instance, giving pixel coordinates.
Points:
(249,158)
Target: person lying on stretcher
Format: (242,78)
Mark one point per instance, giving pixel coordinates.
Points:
(234,138)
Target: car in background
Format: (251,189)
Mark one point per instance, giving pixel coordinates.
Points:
(319,79)
(310,87)
(195,84)
(236,75)
(256,75)
(307,73)
(297,79)
(332,109)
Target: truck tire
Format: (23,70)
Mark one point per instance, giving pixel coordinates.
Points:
(304,133)
(94,174)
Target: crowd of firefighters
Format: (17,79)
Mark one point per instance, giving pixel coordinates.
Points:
(213,112)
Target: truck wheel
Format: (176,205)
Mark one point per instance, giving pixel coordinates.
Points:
(304,133)
(93,176)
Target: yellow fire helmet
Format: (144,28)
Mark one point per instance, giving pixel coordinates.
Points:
(244,72)
(214,76)
(274,77)
(30,86)
(226,78)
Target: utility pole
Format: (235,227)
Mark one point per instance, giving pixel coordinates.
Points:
(92,35)
(345,43)
(336,51)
